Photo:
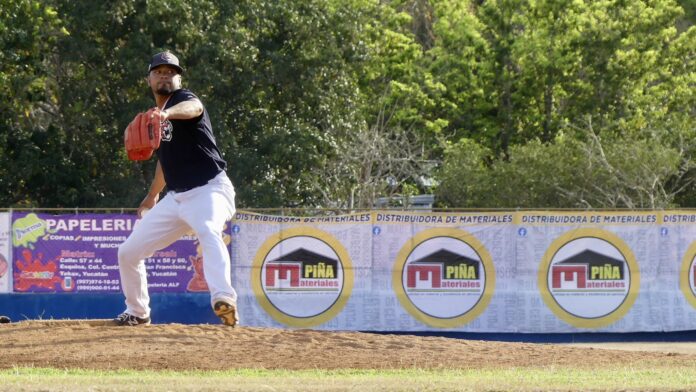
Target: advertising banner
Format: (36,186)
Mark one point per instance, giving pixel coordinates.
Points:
(79,253)
(591,270)
(519,272)
(304,271)
(516,272)
(440,271)
(5,251)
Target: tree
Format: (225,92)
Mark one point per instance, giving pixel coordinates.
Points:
(28,32)
(599,172)
(390,145)
(336,103)
(284,91)
(516,70)
(374,162)
(273,75)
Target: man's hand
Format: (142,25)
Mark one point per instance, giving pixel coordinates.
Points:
(147,204)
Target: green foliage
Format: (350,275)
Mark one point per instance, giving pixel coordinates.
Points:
(564,173)
(517,70)
(273,76)
(529,71)
(28,33)
(461,175)
(282,93)
(336,103)
(397,130)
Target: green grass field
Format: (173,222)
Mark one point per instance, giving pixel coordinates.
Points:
(522,379)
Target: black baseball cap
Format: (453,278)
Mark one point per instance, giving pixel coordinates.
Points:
(165,58)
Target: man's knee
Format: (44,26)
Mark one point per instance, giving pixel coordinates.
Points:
(128,253)
(208,231)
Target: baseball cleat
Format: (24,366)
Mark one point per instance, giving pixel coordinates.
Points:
(128,320)
(227,311)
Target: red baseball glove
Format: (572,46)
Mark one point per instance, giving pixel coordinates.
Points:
(143,135)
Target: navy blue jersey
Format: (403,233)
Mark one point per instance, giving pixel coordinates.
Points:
(188,153)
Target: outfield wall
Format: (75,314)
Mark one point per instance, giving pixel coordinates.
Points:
(474,272)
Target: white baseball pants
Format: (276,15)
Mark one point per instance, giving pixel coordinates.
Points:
(203,210)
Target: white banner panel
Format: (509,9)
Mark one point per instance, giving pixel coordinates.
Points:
(304,272)
(588,275)
(437,271)
(530,272)
(5,254)
(674,290)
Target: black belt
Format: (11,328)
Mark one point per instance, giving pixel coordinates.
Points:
(179,190)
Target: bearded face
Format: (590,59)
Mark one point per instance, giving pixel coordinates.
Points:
(164,88)
(164,80)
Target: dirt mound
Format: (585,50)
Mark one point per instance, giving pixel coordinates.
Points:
(94,345)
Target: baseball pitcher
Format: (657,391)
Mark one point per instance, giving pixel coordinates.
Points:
(199,198)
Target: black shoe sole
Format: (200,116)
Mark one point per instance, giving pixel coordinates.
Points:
(118,324)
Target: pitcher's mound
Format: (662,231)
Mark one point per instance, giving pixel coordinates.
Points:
(96,344)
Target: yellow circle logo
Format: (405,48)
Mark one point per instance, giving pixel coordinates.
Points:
(687,275)
(302,277)
(444,277)
(589,278)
